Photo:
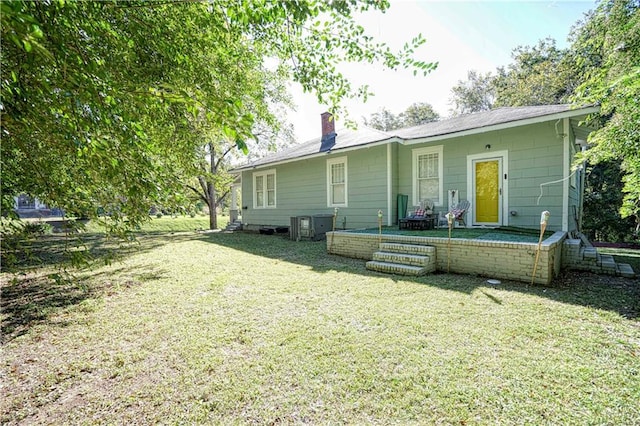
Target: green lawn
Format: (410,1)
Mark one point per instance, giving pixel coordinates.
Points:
(239,328)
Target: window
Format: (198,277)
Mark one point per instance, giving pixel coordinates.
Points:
(337,182)
(264,189)
(427,175)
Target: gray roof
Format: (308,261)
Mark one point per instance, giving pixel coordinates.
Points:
(479,120)
(475,122)
(345,138)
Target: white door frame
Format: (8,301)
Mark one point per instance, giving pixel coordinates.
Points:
(503,213)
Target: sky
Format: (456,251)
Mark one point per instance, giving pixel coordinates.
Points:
(461,36)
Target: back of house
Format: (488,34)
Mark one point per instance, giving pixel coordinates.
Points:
(510,164)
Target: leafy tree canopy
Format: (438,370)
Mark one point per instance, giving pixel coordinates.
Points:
(474,95)
(415,115)
(607,50)
(108,104)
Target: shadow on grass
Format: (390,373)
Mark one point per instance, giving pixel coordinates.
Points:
(616,294)
(29,299)
(43,283)
(31,296)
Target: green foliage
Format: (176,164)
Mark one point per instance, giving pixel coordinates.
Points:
(539,75)
(383,120)
(106,105)
(16,238)
(608,45)
(415,115)
(602,199)
(474,95)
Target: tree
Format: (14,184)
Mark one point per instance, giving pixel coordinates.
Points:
(539,75)
(383,120)
(415,115)
(99,99)
(474,95)
(602,199)
(607,48)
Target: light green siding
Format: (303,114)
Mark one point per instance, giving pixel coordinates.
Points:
(535,157)
(301,189)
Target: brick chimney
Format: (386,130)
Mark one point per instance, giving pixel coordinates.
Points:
(328,124)
(328,132)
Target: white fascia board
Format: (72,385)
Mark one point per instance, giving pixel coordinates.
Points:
(507,125)
(338,151)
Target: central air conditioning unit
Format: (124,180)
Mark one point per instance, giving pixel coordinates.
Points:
(304,227)
(310,227)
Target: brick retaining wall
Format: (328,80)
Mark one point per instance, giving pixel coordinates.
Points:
(495,259)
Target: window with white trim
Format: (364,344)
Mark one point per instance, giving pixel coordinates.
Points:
(337,189)
(264,189)
(428,175)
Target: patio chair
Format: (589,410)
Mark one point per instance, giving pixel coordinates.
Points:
(460,210)
(427,206)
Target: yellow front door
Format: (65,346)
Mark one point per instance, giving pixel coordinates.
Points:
(487,187)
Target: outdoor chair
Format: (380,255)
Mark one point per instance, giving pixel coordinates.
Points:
(421,218)
(459,211)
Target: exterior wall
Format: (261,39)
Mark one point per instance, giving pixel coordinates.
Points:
(301,189)
(495,259)
(535,156)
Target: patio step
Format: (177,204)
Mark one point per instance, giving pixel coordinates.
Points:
(588,259)
(408,248)
(404,259)
(589,253)
(234,226)
(396,268)
(625,270)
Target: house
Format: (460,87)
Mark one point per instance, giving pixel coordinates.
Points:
(509,163)
(29,207)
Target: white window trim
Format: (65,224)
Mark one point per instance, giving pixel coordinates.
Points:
(330,163)
(414,165)
(275,189)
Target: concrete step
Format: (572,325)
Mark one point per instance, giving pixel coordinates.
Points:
(402,258)
(625,270)
(589,253)
(607,263)
(408,249)
(395,268)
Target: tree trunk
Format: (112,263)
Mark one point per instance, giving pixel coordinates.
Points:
(211,196)
(211,190)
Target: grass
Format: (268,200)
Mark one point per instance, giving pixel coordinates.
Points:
(196,328)
(172,224)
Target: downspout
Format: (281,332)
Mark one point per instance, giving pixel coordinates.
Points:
(566,169)
(389,186)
